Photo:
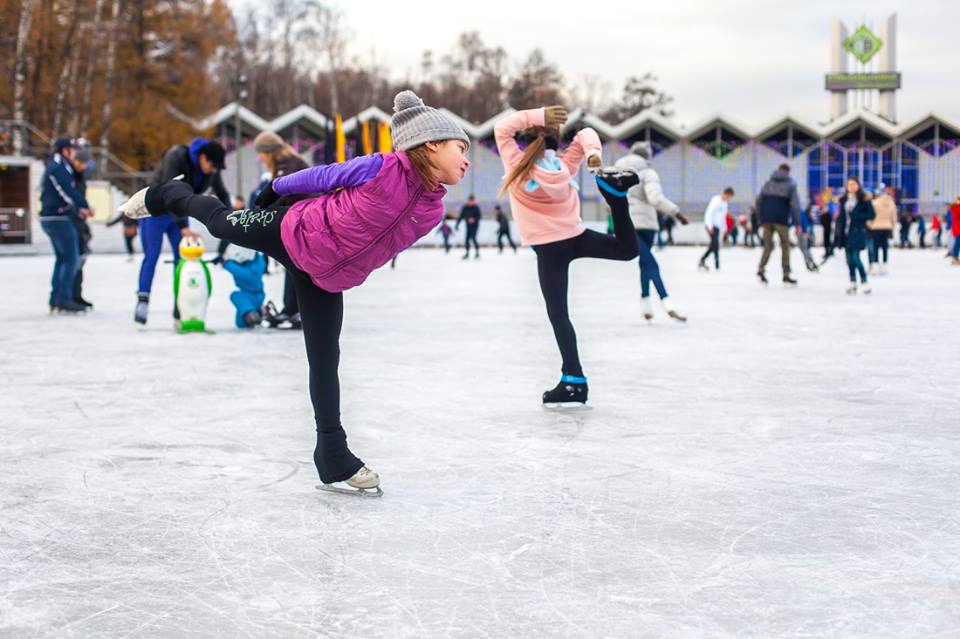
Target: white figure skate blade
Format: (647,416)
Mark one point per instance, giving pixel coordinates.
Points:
(567,407)
(356,492)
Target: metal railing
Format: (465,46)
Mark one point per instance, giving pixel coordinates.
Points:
(37,144)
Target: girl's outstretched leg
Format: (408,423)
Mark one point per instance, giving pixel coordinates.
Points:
(623,244)
(258,230)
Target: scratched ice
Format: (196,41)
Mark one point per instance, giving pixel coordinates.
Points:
(787,464)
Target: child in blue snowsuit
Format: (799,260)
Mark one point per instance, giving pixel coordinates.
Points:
(247,267)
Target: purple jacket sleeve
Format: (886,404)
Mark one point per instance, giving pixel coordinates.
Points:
(330,177)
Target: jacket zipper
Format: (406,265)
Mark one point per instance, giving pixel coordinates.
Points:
(344,263)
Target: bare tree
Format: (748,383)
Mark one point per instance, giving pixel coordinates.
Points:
(639,94)
(538,83)
(92,56)
(592,93)
(20,71)
(65,55)
(111,63)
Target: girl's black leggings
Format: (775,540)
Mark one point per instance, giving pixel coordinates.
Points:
(553,265)
(320,311)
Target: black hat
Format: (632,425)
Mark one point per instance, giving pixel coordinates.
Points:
(63,143)
(215,153)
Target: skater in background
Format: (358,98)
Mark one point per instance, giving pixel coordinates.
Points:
(954,224)
(503,230)
(371,208)
(880,230)
(60,203)
(546,207)
(446,231)
(826,223)
(200,164)
(755,238)
(470,213)
(906,221)
(646,202)
(921,231)
(730,232)
(130,228)
(714,220)
(855,211)
(280,160)
(744,223)
(668,224)
(246,266)
(81,162)
(805,236)
(778,207)
(937,230)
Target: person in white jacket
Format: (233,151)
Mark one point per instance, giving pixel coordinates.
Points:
(645,200)
(715,219)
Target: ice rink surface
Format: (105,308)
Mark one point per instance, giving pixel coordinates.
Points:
(787,464)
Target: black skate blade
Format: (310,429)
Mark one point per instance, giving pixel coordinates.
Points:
(567,407)
(370,493)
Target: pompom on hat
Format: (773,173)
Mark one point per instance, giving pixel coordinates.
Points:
(414,123)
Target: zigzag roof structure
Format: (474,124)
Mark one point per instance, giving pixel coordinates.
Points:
(308,117)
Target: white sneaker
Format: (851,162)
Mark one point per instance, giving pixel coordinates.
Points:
(865,288)
(364,478)
(672,312)
(646,307)
(136,207)
(872,270)
(852,289)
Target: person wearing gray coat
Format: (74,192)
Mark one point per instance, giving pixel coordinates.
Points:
(645,200)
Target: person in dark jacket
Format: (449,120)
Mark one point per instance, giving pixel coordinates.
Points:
(855,211)
(778,207)
(280,159)
(470,213)
(504,229)
(200,164)
(81,165)
(60,204)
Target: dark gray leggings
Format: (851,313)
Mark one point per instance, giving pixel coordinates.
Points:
(320,311)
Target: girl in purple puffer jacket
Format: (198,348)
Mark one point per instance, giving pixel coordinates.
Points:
(362,214)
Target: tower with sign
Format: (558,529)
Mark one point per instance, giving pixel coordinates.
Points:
(863,66)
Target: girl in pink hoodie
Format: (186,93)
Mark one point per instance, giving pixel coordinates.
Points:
(362,214)
(546,208)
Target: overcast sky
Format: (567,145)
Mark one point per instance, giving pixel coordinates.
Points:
(751,60)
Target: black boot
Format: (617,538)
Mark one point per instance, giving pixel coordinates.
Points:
(571,392)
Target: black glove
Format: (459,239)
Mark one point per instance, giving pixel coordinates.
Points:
(267,196)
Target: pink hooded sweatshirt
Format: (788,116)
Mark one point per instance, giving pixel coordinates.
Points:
(373,207)
(551,212)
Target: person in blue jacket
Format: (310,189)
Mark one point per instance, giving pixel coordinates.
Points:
(200,164)
(855,210)
(246,266)
(60,204)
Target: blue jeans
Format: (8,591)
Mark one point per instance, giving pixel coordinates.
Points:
(152,231)
(649,269)
(955,251)
(63,237)
(855,264)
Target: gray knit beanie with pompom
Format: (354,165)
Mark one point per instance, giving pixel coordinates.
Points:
(414,123)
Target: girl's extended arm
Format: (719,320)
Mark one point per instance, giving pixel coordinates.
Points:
(330,177)
(585,144)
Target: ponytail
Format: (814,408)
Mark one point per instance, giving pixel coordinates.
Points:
(522,168)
